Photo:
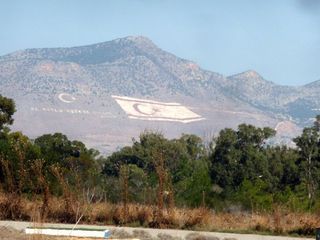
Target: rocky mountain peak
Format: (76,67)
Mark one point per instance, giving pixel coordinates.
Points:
(250,74)
(108,51)
(136,40)
(250,79)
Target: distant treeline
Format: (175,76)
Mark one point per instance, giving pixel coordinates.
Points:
(238,169)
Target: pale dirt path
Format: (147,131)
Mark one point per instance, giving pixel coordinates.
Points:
(145,233)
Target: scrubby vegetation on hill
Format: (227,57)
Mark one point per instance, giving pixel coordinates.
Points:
(158,182)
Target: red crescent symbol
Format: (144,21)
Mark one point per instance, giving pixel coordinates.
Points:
(136,107)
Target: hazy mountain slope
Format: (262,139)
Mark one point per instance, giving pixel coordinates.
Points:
(298,103)
(70,89)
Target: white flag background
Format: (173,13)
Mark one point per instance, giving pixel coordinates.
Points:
(156,111)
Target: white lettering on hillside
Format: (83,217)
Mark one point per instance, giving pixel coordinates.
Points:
(73,111)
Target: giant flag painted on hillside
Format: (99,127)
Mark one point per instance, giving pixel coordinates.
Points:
(144,109)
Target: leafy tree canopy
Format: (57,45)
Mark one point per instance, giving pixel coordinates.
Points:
(7,109)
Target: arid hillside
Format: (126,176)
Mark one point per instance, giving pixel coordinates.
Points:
(77,90)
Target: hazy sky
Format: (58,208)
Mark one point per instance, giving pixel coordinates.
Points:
(280,39)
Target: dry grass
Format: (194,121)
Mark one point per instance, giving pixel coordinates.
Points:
(278,222)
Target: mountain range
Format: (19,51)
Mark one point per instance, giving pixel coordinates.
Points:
(78,91)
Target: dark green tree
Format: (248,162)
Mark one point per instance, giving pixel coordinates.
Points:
(308,144)
(196,185)
(7,109)
(17,154)
(283,169)
(78,164)
(239,155)
(226,169)
(184,159)
(55,148)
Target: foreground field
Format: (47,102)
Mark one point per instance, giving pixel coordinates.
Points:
(277,222)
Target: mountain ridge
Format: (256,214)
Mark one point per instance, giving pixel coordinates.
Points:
(134,66)
(136,40)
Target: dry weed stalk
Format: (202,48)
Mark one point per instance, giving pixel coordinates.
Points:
(124,181)
(39,171)
(22,172)
(162,175)
(11,206)
(165,193)
(277,215)
(8,176)
(69,213)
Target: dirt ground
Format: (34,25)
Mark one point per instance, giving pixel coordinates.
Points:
(15,231)
(12,234)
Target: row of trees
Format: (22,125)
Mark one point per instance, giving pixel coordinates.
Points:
(237,169)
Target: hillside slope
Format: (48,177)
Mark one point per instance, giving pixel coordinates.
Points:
(72,90)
